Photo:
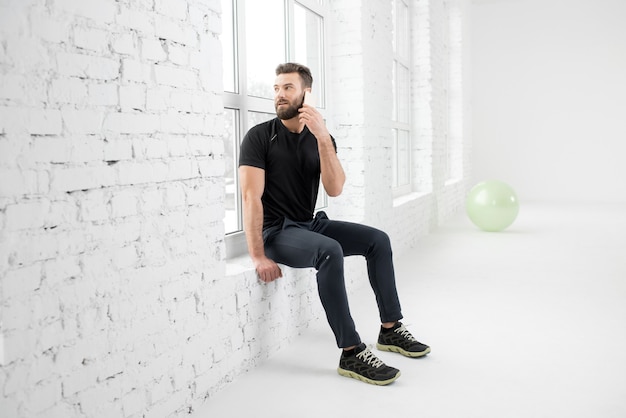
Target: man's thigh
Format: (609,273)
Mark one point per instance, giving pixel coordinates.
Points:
(355,239)
(298,247)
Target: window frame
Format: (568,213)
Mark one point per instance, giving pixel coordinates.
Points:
(243,103)
(397,125)
(453,93)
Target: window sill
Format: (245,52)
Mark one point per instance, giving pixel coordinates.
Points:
(237,266)
(236,245)
(452,181)
(404,199)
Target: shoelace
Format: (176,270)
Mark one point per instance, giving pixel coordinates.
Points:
(405,333)
(369,357)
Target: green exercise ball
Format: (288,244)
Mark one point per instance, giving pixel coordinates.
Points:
(492,205)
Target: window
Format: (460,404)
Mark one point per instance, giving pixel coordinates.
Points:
(453,85)
(447,143)
(401,86)
(256,37)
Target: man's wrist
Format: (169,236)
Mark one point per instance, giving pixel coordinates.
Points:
(324,138)
(258,257)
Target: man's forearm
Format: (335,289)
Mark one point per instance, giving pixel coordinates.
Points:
(253,227)
(333,176)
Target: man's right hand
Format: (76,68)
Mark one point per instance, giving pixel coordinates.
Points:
(267,269)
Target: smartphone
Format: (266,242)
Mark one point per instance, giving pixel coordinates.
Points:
(308,98)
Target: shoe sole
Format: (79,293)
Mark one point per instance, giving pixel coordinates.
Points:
(348,373)
(395,349)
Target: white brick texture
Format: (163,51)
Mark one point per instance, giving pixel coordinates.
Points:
(110,242)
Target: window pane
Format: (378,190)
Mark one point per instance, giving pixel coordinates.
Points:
(394,90)
(231,139)
(394,25)
(228,47)
(402,74)
(394,157)
(254,118)
(404,157)
(401,29)
(308,46)
(265,45)
(401,154)
(401,92)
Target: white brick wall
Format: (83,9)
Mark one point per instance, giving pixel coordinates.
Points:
(115,296)
(110,241)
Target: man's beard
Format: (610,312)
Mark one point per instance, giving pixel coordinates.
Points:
(290,112)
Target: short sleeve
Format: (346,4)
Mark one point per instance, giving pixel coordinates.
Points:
(253,148)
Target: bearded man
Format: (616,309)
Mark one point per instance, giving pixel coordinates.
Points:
(281,164)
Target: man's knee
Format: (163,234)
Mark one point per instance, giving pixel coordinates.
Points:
(381,240)
(331,253)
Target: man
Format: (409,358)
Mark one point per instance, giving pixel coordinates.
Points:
(280,167)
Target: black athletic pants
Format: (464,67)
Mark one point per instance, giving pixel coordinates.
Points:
(323,243)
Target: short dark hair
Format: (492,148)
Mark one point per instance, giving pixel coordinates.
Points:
(302,70)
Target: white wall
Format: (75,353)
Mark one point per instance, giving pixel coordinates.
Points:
(111,208)
(549,97)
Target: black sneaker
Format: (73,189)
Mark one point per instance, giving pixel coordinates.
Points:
(366,367)
(399,340)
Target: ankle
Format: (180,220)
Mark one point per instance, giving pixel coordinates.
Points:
(352,350)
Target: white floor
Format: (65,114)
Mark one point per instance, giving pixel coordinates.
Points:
(530,322)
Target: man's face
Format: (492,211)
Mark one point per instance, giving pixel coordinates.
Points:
(288,95)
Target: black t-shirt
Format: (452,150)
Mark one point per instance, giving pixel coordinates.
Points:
(292,170)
